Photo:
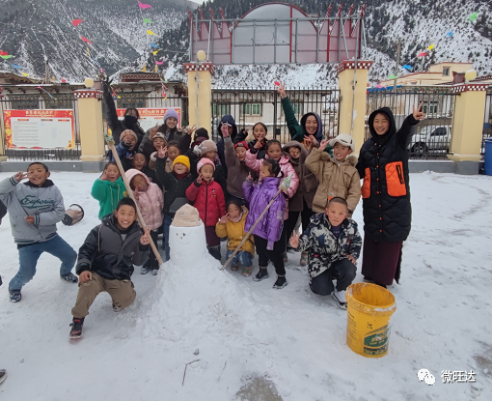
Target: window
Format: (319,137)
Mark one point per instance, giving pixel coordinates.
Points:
(297,107)
(252,109)
(24,102)
(430,107)
(446,71)
(135,100)
(221,109)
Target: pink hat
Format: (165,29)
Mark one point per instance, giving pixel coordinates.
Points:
(202,162)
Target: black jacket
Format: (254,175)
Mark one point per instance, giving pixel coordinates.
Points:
(242,135)
(175,189)
(117,126)
(220,144)
(383,163)
(106,253)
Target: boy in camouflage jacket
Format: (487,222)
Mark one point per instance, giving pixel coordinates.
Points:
(333,244)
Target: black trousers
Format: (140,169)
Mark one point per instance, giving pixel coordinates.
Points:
(151,262)
(290,223)
(344,271)
(275,255)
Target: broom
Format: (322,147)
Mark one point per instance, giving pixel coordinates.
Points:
(283,187)
(111,144)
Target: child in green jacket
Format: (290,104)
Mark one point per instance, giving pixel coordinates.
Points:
(108,189)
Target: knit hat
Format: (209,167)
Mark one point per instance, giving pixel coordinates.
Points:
(204,147)
(241,144)
(202,162)
(186,216)
(170,113)
(160,135)
(126,133)
(201,133)
(182,160)
(344,140)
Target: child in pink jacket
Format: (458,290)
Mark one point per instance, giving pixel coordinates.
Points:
(151,202)
(273,150)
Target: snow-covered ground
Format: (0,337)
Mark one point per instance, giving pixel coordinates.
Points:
(253,342)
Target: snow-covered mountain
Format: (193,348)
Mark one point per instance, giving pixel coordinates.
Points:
(38,31)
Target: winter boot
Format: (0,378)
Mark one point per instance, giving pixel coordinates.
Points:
(280,283)
(340,298)
(155,271)
(144,270)
(15,296)
(71,278)
(304,259)
(3,375)
(262,274)
(76,331)
(215,251)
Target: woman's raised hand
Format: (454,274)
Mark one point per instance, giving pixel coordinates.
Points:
(324,143)
(281,91)
(418,114)
(191,130)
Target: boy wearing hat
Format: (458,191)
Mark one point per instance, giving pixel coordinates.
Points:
(126,149)
(175,184)
(158,142)
(337,176)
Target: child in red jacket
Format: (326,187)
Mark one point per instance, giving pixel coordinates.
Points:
(208,198)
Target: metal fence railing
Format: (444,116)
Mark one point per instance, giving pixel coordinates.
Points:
(431,138)
(249,106)
(486,120)
(41,101)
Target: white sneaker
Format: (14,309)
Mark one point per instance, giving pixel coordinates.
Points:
(340,298)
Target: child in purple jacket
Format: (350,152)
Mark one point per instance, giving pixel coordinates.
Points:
(269,242)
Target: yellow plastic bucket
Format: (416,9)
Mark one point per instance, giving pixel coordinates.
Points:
(369,309)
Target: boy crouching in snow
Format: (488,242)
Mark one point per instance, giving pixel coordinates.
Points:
(106,262)
(333,244)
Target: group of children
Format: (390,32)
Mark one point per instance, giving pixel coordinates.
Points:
(236,186)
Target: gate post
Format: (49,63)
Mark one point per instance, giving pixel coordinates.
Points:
(200,94)
(3,134)
(467,129)
(345,70)
(90,113)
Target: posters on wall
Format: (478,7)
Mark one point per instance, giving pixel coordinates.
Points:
(149,117)
(39,129)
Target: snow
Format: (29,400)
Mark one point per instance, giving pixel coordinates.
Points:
(253,342)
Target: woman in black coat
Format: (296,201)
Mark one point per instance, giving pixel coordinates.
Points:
(130,118)
(383,163)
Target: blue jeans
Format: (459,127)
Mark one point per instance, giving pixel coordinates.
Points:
(167,222)
(245,258)
(29,255)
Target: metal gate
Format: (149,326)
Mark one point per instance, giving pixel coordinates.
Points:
(431,139)
(249,106)
(40,102)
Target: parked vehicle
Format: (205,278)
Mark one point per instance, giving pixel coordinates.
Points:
(431,139)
